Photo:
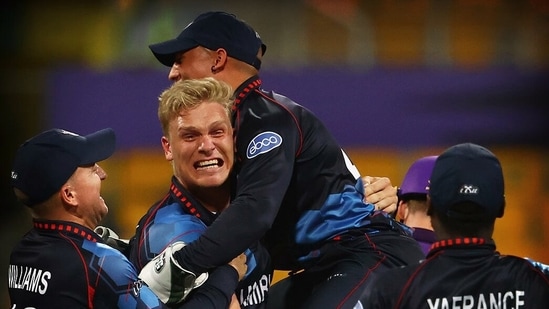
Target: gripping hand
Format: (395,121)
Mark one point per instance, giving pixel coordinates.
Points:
(112,239)
(168,280)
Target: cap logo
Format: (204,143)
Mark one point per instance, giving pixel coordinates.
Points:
(262,143)
(468,189)
(13,175)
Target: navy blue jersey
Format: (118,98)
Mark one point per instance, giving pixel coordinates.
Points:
(294,185)
(179,217)
(461,273)
(60,264)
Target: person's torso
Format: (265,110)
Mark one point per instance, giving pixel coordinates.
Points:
(323,191)
(468,277)
(179,217)
(64,265)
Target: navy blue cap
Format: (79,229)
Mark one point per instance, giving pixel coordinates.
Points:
(214,30)
(467,173)
(46,161)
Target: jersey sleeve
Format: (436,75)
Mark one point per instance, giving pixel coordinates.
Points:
(157,234)
(118,282)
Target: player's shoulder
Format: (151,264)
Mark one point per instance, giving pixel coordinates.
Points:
(270,104)
(544,268)
(174,215)
(106,254)
(171,227)
(170,214)
(524,264)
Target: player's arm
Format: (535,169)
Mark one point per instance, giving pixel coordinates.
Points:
(218,290)
(263,179)
(119,283)
(175,285)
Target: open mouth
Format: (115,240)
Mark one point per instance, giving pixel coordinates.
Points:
(207,164)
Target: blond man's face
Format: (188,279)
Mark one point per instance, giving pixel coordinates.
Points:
(200,146)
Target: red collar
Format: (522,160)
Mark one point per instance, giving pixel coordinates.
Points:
(66,227)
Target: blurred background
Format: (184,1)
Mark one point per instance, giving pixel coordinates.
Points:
(393,79)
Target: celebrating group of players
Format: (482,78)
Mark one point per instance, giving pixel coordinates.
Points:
(259,184)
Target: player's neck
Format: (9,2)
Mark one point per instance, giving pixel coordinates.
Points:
(423,222)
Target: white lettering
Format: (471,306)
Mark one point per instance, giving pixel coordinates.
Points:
(505,296)
(28,278)
(519,302)
(255,293)
(445,304)
(495,303)
(468,302)
(455,302)
(430,303)
(499,300)
(482,302)
(36,274)
(44,286)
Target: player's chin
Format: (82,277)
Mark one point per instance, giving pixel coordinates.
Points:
(103,204)
(212,181)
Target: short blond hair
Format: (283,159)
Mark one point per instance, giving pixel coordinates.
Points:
(188,94)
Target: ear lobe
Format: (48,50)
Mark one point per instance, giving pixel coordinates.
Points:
(401,210)
(220,58)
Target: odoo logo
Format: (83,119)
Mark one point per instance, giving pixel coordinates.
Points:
(262,143)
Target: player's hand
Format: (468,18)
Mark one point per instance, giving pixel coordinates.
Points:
(167,279)
(239,263)
(112,239)
(234,303)
(380,192)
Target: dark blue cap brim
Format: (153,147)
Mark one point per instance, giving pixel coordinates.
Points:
(100,146)
(166,51)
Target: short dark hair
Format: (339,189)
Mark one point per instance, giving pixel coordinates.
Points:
(413,196)
(472,222)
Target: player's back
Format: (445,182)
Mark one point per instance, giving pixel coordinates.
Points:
(64,265)
(318,179)
(462,277)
